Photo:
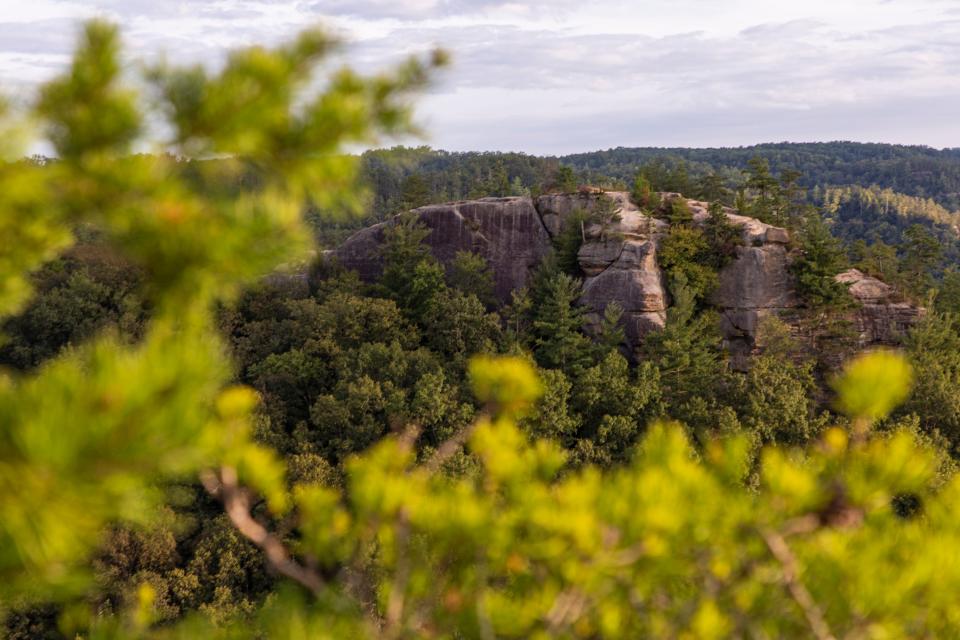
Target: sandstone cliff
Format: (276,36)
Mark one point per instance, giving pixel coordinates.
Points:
(514,234)
(508,232)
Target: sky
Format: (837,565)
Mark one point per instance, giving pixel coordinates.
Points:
(566,76)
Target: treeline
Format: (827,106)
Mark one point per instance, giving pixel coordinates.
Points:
(913,170)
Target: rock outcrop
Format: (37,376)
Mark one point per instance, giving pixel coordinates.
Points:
(508,232)
(880,317)
(514,234)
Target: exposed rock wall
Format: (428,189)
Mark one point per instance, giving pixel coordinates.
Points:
(880,317)
(515,234)
(508,232)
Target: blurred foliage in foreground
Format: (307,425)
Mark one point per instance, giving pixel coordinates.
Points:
(856,537)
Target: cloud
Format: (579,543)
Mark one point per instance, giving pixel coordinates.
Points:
(412,10)
(557,75)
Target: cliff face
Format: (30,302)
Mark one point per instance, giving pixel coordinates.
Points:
(514,235)
(508,232)
(880,318)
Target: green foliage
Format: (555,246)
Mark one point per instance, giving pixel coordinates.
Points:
(403,252)
(933,347)
(686,256)
(567,243)
(679,212)
(722,235)
(87,436)
(605,214)
(78,295)
(878,260)
(610,335)
(820,259)
(859,387)
(642,193)
(948,296)
(470,273)
(565,181)
(558,325)
(399,506)
(922,252)
(778,400)
(686,352)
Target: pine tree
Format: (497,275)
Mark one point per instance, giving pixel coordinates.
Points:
(687,350)
(642,192)
(922,252)
(722,236)
(470,273)
(610,336)
(415,192)
(606,214)
(558,326)
(568,242)
(821,258)
(565,180)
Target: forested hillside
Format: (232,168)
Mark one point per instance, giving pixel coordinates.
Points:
(202,438)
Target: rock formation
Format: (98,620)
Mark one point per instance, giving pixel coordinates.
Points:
(880,317)
(508,232)
(514,234)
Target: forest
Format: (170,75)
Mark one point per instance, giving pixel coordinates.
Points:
(209,428)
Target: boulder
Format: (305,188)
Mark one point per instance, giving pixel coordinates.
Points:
(865,289)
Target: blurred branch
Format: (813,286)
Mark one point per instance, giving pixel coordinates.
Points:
(236,502)
(791,577)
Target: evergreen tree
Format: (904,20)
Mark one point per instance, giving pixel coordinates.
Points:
(568,242)
(711,187)
(558,326)
(565,180)
(878,260)
(402,250)
(766,203)
(610,336)
(415,192)
(679,212)
(517,318)
(687,351)
(470,273)
(821,258)
(933,347)
(642,193)
(722,236)
(921,253)
(948,296)
(779,389)
(686,257)
(606,214)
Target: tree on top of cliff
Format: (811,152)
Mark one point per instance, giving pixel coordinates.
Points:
(821,257)
(565,181)
(606,214)
(722,235)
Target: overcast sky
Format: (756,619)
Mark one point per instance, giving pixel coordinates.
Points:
(564,76)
